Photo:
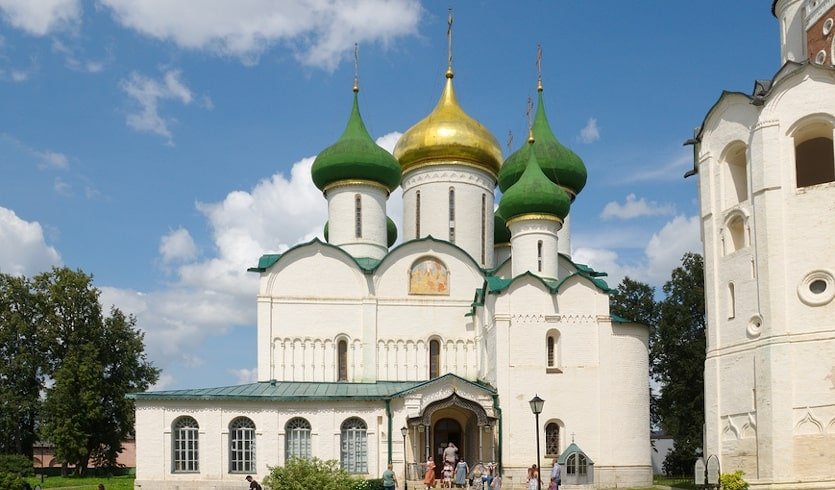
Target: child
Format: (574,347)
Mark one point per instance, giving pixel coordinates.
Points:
(447,481)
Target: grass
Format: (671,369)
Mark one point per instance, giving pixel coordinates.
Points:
(674,482)
(84,483)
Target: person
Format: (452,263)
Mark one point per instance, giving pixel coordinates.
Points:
(487,478)
(451,454)
(429,476)
(555,476)
(461,472)
(497,480)
(389,478)
(475,475)
(533,478)
(253,485)
(447,474)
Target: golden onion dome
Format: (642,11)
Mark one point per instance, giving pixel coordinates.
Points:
(448,135)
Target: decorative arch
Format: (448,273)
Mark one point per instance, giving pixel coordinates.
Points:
(735,236)
(808,425)
(814,156)
(454,400)
(342,343)
(430,276)
(734,174)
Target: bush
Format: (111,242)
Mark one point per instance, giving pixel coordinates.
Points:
(17,464)
(733,481)
(376,484)
(304,474)
(11,481)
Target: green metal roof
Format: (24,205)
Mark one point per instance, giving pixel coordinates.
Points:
(534,193)
(303,391)
(571,449)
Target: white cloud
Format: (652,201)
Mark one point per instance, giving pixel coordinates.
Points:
(148,92)
(40,17)
(321,32)
(52,159)
(590,133)
(245,376)
(23,250)
(673,170)
(62,187)
(73,57)
(177,246)
(634,208)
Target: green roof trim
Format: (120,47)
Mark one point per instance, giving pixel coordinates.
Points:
(496,285)
(482,385)
(571,449)
(619,319)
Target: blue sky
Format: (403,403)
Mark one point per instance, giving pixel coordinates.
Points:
(164,145)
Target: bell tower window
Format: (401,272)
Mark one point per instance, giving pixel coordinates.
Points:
(814,158)
(358,216)
(417,214)
(452,214)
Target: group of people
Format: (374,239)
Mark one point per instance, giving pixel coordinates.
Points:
(534,483)
(455,473)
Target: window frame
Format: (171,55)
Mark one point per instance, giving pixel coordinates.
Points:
(298,439)
(353,446)
(185,445)
(242,434)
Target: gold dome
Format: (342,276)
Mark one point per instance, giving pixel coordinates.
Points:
(448,135)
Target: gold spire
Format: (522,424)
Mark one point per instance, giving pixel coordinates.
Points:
(528,116)
(449,72)
(539,67)
(356,68)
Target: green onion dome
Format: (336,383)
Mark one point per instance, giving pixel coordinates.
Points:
(534,193)
(562,166)
(355,156)
(391,231)
(501,234)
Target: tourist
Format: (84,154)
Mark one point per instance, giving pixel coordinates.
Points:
(389,478)
(555,476)
(429,476)
(533,478)
(461,471)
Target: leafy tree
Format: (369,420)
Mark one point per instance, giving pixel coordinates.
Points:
(302,474)
(21,369)
(93,362)
(678,354)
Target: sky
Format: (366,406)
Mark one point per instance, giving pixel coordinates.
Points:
(163,146)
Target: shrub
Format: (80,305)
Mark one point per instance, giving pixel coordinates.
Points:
(733,481)
(304,474)
(11,481)
(17,464)
(376,484)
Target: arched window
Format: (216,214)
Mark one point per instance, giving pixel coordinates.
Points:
(342,360)
(735,175)
(358,216)
(552,440)
(552,354)
(539,256)
(417,214)
(452,214)
(297,439)
(186,456)
(434,358)
(814,158)
(731,301)
(242,446)
(354,443)
(735,238)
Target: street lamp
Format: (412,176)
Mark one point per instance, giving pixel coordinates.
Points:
(404,431)
(536,407)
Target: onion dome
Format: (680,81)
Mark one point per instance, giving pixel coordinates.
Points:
(391,232)
(534,193)
(501,233)
(355,156)
(448,134)
(561,165)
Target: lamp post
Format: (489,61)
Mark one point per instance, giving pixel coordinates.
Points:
(404,431)
(536,407)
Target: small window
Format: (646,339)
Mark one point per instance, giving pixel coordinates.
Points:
(552,345)
(820,58)
(539,256)
(452,214)
(735,175)
(827,26)
(297,439)
(735,237)
(186,454)
(814,157)
(342,360)
(354,443)
(242,446)
(731,301)
(358,216)
(483,228)
(417,214)
(434,359)
(552,440)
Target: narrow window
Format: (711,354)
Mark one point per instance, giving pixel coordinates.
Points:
(731,301)
(186,455)
(539,256)
(434,359)
(297,439)
(552,440)
(342,360)
(736,230)
(358,216)
(735,176)
(571,464)
(452,214)
(483,228)
(417,214)
(814,161)
(354,443)
(550,351)
(242,446)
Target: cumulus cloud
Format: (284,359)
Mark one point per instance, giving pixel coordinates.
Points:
(320,32)
(635,208)
(245,376)
(41,17)
(147,93)
(177,246)
(590,133)
(52,159)
(23,250)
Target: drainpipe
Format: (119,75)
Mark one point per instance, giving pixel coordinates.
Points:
(499,413)
(388,414)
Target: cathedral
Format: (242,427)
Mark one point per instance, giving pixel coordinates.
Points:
(370,353)
(766,183)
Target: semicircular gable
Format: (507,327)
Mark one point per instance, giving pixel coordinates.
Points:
(316,269)
(731,119)
(805,89)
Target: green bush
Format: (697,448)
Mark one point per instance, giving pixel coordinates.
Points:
(376,484)
(17,464)
(11,481)
(733,481)
(304,474)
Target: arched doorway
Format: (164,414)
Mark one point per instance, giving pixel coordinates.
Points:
(446,430)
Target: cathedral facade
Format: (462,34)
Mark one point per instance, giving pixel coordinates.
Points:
(370,353)
(767,191)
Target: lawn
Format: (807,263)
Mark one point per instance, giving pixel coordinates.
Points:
(84,483)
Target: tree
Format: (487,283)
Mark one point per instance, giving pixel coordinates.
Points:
(22,366)
(93,363)
(678,354)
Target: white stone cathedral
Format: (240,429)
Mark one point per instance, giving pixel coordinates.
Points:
(767,191)
(369,354)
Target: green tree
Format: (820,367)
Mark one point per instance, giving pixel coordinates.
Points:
(302,474)
(93,363)
(678,354)
(21,369)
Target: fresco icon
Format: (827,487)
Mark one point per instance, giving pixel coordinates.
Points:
(429,276)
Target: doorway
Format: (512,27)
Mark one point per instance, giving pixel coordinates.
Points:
(446,430)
